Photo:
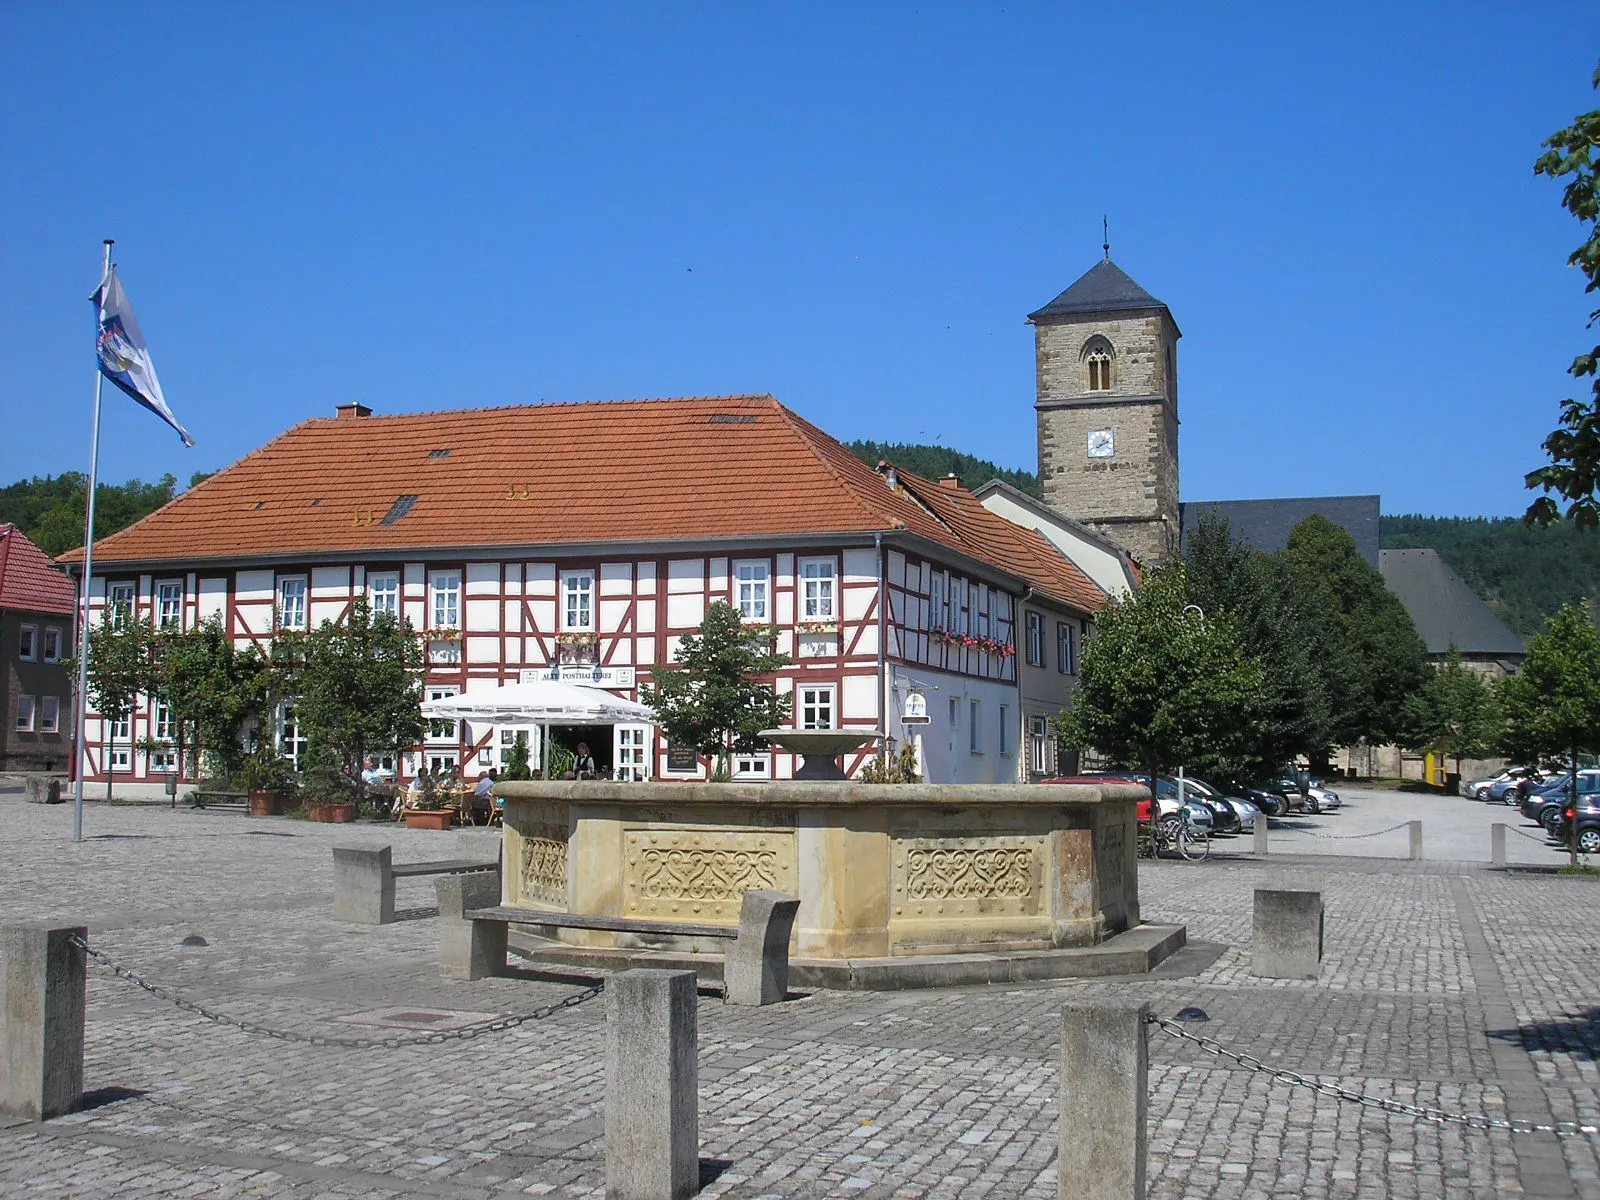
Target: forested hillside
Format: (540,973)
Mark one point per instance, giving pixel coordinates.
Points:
(49,509)
(1524,574)
(931,462)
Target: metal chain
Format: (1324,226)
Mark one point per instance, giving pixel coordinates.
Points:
(1530,836)
(1472,1120)
(1350,837)
(436,1037)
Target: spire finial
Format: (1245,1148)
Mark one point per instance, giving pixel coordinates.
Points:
(1105,233)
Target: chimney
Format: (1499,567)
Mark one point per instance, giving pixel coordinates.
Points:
(352,409)
(952,480)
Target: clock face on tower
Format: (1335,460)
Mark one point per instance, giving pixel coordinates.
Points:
(1102,443)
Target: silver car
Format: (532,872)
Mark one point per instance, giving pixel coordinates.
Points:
(1246,810)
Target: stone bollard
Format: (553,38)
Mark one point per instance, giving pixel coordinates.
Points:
(1497,844)
(1286,942)
(470,949)
(755,970)
(1105,1099)
(1261,833)
(363,885)
(652,1128)
(43,982)
(1416,840)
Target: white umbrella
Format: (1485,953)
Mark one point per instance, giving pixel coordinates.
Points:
(539,702)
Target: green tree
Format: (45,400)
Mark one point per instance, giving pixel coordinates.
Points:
(718,694)
(1278,622)
(121,668)
(1455,713)
(1552,707)
(1368,651)
(1162,685)
(1574,446)
(50,508)
(215,691)
(356,685)
(932,462)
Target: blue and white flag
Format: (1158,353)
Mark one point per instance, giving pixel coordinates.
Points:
(124,358)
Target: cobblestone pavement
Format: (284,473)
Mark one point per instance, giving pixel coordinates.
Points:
(1454,987)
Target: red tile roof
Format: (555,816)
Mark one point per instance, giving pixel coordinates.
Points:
(546,475)
(29,580)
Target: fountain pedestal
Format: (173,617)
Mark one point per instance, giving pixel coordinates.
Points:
(820,748)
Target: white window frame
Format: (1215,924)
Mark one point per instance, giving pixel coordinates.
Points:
(754,767)
(384,599)
(442,762)
(121,603)
(438,691)
(819,589)
(975,731)
(292,742)
(444,600)
(297,616)
(51,649)
(160,762)
(1036,651)
(1039,743)
(120,759)
(752,592)
(50,714)
(26,716)
(936,601)
(28,642)
(630,752)
(958,606)
(814,699)
(980,610)
(122,731)
(169,604)
(1005,731)
(577,601)
(161,721)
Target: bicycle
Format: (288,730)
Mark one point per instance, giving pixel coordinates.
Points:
(1174,832)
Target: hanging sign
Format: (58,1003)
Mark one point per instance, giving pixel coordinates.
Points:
(916,710)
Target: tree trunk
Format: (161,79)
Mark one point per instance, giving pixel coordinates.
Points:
(111,747)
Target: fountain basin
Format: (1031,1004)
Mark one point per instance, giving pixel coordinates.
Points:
(881,870)
(820,748)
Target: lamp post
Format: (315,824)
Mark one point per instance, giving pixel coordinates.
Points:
(1187,609)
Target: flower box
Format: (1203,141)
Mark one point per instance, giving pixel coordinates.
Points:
(429,818)
(333,814)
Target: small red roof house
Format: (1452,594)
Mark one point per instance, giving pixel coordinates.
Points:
(37,601)
(557,540)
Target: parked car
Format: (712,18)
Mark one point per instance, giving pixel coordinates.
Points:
(1587,815)
(1223,817)
(1316,799)
(1201,816)
(1546,804)
(1246,811)
(1478,789)
(1269,800)
(1326,799)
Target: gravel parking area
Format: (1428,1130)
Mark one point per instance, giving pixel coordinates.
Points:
(1437,989)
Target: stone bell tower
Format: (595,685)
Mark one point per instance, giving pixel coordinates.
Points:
(1106,352)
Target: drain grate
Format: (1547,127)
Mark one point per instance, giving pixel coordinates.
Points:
(418,1018)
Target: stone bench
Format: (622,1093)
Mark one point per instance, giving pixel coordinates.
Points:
(363,880)
(755,966)
(231,801)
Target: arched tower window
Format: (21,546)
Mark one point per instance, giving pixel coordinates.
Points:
(1097,355)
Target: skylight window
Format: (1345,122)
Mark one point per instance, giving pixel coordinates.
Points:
(733,418)
(444,453)
(398,509)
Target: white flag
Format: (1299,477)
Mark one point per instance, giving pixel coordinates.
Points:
(124,358)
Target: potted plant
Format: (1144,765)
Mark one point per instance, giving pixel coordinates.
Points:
(267,778)
(427,813)
(330,793)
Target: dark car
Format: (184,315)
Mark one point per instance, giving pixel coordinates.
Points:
(1587,814)
(1545,805)
(1223,817)
(1269,800)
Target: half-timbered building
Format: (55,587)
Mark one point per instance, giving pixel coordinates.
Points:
(582,541)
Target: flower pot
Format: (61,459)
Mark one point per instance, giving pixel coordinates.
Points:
(264,803)
(335,814)
(429,818)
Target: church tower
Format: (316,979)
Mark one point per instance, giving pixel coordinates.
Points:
(1106,352)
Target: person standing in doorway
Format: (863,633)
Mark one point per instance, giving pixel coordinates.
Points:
(583,766)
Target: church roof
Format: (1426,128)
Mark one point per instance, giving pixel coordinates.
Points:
(1444,609)
(1104,287)
(1266,524)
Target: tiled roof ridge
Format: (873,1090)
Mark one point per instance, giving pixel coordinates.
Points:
(29,580)
(546,404)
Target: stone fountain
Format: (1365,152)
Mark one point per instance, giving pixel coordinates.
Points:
(820,748)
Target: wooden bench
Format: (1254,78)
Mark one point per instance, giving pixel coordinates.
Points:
(363,880)
(755,966)
(221,800)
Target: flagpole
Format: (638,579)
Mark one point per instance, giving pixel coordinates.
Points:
(82,706)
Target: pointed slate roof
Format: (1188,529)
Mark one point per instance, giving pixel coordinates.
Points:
(1444,609)
(1104,287)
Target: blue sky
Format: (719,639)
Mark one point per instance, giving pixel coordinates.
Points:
(850,207)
